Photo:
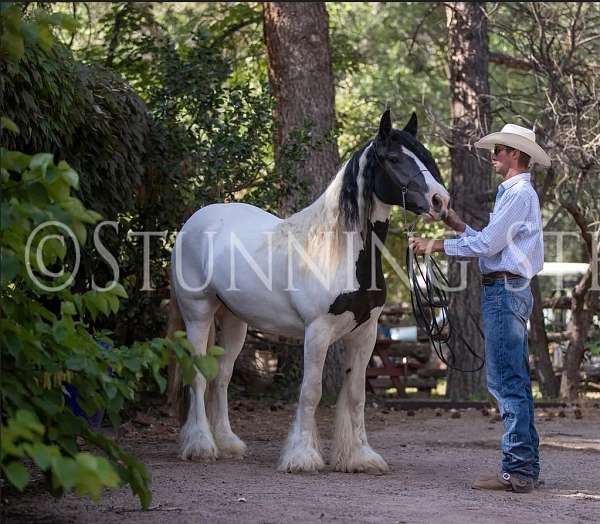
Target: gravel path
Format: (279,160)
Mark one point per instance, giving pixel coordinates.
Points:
(433,460)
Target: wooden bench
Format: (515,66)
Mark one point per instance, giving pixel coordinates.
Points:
(397,364)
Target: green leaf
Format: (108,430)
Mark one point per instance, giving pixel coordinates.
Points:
(45,39)
(113,302)
(16,474)
(80,232)
(38,195)
(208,366)
(106,473)
(65,21)
(101,302)
(41,160)
(71,177)
(70,424)
(68,308)
(133,364)
(59,191)
(110,390)
(60,331)
(9,125)
(12,44)
(29,420)
(93,216)
(160,380)
(65,470)
(118,290)
(187,371)
(14,160)
(215,351)
(50,408)
(9,266)
(76,363)
(42,455)
(54,249)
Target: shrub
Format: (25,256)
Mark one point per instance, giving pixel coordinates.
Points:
(48,340)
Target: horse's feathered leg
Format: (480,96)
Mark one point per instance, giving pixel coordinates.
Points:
(301,452)
(352,452)
(196,437)
(231,338)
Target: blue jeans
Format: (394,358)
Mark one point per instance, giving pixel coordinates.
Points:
(506,307)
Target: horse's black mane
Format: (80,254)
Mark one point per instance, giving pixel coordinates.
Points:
(349,193)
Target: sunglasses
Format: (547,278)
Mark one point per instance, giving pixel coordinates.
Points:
(497,149)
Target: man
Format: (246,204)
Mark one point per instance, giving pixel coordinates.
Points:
(510,251)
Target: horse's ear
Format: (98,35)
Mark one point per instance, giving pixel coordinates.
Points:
(385,125)
(412,125)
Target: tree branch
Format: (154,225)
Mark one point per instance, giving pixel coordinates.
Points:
(114,37)
(512,62)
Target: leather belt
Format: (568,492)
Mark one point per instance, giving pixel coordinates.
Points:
(490,278)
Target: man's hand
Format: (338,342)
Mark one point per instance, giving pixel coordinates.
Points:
(454,221)
(425,246)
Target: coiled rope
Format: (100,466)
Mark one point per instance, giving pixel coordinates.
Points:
(428,286)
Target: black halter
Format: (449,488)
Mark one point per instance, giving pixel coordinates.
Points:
(385,186)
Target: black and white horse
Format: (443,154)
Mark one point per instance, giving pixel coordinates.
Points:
(316,275)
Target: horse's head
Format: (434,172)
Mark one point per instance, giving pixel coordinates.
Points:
(404,165)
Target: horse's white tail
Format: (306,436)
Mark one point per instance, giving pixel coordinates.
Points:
(175,393)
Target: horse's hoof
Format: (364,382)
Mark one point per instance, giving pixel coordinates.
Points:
(199,448)
(197,454)
(231,447)
(364,460)
(301,460)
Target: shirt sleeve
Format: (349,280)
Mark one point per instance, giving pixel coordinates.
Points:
(468,232)
(492,239)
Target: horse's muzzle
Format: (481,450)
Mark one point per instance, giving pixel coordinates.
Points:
(439,205)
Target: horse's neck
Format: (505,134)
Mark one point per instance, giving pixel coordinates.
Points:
(323,217)
(380,211)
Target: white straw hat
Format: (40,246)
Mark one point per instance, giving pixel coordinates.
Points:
(516,137)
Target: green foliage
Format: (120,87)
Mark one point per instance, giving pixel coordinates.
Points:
(221,128)
(396,59)
(196,131)
(83,113)
(593,345)
(48,341)
(17,32)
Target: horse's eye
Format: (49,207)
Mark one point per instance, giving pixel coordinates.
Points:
(394,159)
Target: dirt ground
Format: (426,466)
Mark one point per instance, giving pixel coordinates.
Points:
(433,459)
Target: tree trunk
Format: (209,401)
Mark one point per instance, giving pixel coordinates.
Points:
(301,78)
(547,380)
(583,303)
(578,329)
(470,180)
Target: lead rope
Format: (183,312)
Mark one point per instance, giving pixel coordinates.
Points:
(426,301)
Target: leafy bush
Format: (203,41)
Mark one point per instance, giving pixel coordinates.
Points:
(48,340)
(86,114)
(192,134)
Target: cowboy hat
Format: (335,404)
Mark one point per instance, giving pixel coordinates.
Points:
(519,138)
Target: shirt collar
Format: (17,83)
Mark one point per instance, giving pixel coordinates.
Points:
(526,177)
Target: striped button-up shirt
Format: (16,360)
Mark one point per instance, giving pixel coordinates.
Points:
(513,239)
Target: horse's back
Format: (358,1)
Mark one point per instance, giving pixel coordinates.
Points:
(234,216)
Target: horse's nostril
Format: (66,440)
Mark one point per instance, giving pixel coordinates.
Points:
(437,202)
